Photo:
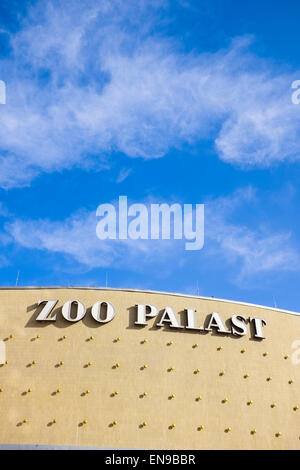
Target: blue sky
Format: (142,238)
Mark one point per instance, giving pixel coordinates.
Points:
(161,101)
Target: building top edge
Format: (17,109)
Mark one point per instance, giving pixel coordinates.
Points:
(176,294)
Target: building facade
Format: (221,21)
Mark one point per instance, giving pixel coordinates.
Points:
(121,368)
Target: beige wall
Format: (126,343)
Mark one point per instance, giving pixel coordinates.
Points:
(69,408)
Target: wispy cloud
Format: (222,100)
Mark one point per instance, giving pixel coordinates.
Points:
(86,79)
(251,251)
(76,239)
(123,174)
(243,250)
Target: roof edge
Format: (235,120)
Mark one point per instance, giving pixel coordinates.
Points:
(176,294)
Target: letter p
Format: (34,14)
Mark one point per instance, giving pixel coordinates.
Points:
(143,312)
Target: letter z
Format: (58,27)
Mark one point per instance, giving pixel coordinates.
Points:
(46,310)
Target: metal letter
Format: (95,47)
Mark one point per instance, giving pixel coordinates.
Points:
(216,322)
(239,321)
(46,311)
(190,316)
(170,318)
(142,314)
(67,308)
(96,311)
(258,324)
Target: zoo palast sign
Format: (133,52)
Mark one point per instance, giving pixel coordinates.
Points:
(104,312)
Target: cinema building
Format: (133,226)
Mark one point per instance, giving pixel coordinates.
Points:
(125,368)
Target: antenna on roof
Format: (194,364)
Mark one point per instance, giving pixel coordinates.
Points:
(275,303)
(106,280)
(197,291)
(17,280)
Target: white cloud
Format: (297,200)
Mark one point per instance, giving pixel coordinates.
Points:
(86,79)
(76,239)
(253,251)
(247,251)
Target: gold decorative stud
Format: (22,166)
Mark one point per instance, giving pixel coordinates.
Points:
(269,379)
(53,421)
(219,348)
(117,339)
(246,376)
(1,390)
(171,368)
(64,336)
(6,362)
(115,393)
(24,420)
(11,336)
(143,424)
(116,365)
(227,429)
(195,345)
(33,363)
(286,356)
(243,350)
(273,405)
(198,398)
(84,421)
(114,423)
(37,336)
(144,341)
(58,390)
(91,338)
(172,426)
(172,396)
(221,373)
(196,371)
(199,428)
(87,392)
(89,364)
(296,408)
(291,381)
(144,366)
(253,431)
(29,390)
(61,363)
(278,434)
(265,354)
(169,343)
(225,400)
(250,402)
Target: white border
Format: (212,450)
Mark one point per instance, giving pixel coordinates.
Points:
(124,289)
